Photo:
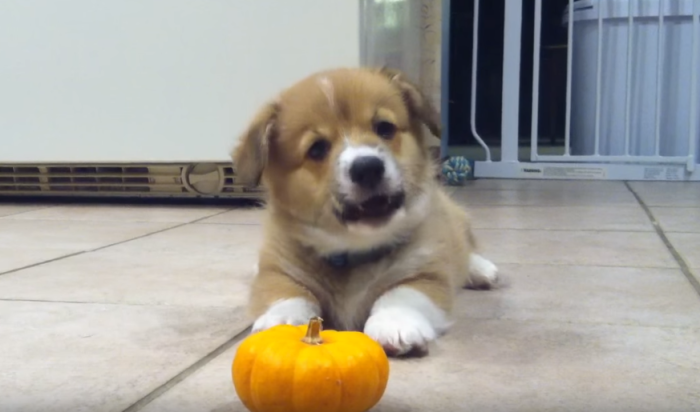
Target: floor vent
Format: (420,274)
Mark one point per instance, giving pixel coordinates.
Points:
(144,180)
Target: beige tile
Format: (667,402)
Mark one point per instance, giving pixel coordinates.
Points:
(587,294)
(194,265)
(564,197)
(551,185)
(539,366)
(499,365)
(9,209)
(238,216)
(685,194)
(85,357)
(208,389)
(123,213)
(561,218)
(27,242)
(586,248)
(688,246)
(678,219)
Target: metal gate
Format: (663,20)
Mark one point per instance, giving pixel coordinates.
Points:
(631,98)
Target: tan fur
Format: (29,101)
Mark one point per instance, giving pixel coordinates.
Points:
(339,105)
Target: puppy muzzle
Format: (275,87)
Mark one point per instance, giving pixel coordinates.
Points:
(375,209)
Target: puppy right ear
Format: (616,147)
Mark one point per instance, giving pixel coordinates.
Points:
(417,102)
(251,153)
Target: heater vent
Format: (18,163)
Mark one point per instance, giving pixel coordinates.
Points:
(140,180)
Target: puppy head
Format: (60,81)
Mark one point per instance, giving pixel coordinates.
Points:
(341,149)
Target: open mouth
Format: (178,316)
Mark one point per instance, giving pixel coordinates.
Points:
(376,209)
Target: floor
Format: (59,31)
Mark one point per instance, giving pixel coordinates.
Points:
(134,308)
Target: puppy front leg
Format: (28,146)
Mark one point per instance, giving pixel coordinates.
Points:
(408,317)
(277,300)
(483,274)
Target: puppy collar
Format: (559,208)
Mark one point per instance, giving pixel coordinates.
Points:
(347,260)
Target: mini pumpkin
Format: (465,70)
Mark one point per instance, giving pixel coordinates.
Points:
(306,369)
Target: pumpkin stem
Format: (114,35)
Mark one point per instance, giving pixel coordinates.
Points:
(313,332)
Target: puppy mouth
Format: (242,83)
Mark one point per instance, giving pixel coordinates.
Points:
(375,210)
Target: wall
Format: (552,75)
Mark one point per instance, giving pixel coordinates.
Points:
(154,80)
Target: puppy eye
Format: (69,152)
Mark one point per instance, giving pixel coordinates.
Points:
(385,130)
(319,150)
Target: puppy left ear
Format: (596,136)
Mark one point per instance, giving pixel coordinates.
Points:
(250,155)
(417,102)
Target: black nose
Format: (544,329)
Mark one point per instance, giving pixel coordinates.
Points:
(367,171)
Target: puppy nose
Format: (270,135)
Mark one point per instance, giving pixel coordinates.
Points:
(367,171)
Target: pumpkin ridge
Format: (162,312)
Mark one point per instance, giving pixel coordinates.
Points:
(314,381)
(275,357)
(346,395)
(382,367)
(368,374)
(242,382)
(243,367)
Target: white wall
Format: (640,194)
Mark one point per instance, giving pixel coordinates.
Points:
(154,80)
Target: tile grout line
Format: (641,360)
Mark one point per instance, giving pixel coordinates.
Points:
(82,252)
(105,303)
(535,229)
(488,206)
(26,211)
(470,317)
(156,232)
(186,373)
(582,323)
(604,266)
(504,263)
(110,245)
(93,220)
(687,272)
(542,206)
(226,224)
(43,262)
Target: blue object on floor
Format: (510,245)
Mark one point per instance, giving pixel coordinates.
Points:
(456,170)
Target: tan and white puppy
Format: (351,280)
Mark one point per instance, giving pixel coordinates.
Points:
(358,230)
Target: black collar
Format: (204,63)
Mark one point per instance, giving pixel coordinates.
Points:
(348,260)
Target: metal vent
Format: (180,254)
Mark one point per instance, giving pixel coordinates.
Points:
(132,180)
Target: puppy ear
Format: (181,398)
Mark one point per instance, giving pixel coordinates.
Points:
(417,102)
(251,153)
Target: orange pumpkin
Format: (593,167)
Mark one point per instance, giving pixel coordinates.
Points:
(304,369)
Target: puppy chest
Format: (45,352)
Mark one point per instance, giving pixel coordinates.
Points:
(347,301)
(347,296)
(348,311)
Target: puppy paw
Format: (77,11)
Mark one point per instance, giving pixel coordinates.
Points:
(483,274)
(401,331)
(295,311)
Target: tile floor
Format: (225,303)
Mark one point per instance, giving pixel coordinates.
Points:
(140,308)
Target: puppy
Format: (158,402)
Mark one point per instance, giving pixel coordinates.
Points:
(358,231)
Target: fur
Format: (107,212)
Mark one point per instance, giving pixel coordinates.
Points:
(432,247)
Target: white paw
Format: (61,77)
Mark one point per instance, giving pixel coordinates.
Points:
(482,272)
(295,311)
(404,321)
(400,331)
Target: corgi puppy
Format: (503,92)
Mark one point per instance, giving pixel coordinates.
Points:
(358,230)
